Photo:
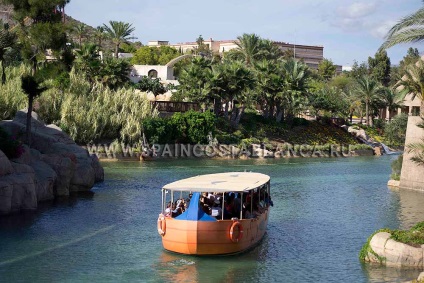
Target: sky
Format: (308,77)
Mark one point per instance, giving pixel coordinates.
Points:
(348,30)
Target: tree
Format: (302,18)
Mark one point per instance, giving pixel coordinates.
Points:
(100,35)
(296,80)
(114,72)
(45,32)
(395,131)
(152,85)
(269,84)
(413,82)
(367,90)
(358,70)
(32,89)
(230,81)
(248,48)
(202,48)
(7,41)
(408,29)
(88,61)
(80,31)
(119,32)
(379,67)
(329,100)
(411,57)
(326,69)
(390,98)
(195,83)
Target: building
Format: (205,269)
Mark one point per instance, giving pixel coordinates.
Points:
(311,55)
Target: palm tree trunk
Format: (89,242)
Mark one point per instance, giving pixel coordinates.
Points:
(367,117)
(226,109)
(116,50)
(28,121)
(3,73)
(239,113)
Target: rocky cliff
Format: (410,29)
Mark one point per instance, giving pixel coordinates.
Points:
(54,166)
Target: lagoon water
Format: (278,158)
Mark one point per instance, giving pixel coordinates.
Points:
(324,210)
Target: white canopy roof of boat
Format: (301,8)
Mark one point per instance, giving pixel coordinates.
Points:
(220,182)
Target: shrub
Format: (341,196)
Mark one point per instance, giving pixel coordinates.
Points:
(188,127)
(395,130)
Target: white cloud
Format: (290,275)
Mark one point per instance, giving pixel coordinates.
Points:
(357,10)
(380,30)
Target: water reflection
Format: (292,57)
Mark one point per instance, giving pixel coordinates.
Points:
(411,208)
(378,273)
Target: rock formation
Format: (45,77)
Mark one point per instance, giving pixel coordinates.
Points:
(388,251)
(54,166)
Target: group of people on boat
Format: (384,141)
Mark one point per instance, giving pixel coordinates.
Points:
(243,206)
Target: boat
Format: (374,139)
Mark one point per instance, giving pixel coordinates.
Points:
(191,222)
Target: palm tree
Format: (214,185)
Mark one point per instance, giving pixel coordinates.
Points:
(413,82)
(230,81)
(367,89)
(80,30)
(7,41)
(119,32)
(269,83)
(390,98)
(408,29)
(87,60)
(100,35)
(296,76)
(32,89)
(248,47)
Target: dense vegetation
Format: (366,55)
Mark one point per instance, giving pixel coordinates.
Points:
(256,91)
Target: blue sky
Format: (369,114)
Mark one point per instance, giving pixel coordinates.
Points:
(348,30)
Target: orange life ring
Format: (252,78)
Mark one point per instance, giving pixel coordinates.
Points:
(240,233)
(161,225)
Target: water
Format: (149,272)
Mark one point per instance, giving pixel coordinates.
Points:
(324,210)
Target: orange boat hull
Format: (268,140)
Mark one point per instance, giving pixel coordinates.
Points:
(213,238)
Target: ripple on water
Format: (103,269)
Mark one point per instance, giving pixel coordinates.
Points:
(324,210)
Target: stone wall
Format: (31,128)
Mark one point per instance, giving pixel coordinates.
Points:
(54,166)
(412,174)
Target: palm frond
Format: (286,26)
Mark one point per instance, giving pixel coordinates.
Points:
(404,36)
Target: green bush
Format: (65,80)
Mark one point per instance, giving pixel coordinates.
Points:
(189,127)
(12,98)
(395,130)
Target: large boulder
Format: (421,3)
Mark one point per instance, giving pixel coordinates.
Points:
(23,180)
(5,166)
(384,249)
(64,168)
(54,166)
(45,179)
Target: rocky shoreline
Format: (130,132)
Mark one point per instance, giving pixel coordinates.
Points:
(55,166)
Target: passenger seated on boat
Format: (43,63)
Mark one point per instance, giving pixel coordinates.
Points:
(228,208)
(237,205)
(168,209)
(178,208)
(217,210)
(247,211)
(203,204)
